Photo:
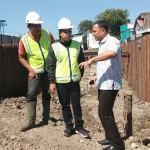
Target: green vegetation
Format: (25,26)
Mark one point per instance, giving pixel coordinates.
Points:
(114,17)
(84,25)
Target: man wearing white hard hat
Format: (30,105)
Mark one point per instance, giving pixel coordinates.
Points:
(33,51)
(65,75)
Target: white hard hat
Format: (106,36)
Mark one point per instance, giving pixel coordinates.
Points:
(64,23)
(33,18)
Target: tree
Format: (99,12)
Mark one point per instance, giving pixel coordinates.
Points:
(84,25)
(115,18)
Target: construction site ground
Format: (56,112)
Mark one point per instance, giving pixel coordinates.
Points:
(47,137)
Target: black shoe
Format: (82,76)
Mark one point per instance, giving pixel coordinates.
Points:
(68,132)
(103,142)
(82,132)
(109,148)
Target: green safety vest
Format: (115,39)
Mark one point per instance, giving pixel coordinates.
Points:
(37,52)
(67,62)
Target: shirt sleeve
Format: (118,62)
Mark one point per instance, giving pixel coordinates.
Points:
(51,66)
(114,45)
(21,49)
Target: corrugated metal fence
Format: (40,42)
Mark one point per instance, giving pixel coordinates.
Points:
(13,76)
(6,39)
(136,68)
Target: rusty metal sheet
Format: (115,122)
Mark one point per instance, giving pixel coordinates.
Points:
(137,69)
(13,76)
(144,66)
(1,68)
(148,69)
(134,61)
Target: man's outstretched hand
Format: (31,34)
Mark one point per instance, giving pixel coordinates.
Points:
(86,63)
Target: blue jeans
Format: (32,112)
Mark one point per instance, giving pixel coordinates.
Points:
(70,93)
(38,85)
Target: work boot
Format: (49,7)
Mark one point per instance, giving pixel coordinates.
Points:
(31,115)
(46,110)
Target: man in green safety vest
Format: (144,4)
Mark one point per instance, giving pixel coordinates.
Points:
(65,75)
(33,52)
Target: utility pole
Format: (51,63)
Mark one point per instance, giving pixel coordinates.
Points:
(2,24)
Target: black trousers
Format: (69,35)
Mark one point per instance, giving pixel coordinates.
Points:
(106,115)
(69,93)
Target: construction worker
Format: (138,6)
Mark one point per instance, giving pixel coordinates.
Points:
(33,52)
(108,82)
(65,75)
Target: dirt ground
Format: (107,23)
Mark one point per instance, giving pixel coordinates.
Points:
(46,137)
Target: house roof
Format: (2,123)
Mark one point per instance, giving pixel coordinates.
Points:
(140,22)
(77,34)
(143,20)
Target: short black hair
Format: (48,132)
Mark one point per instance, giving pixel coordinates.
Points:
(102,24)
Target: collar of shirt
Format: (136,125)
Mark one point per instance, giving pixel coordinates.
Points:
(104,39)
(66,44)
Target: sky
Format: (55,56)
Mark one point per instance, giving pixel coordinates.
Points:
(51,11)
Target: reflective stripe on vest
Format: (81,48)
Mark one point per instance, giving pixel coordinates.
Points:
(65,78)
(58,52)
(28,46)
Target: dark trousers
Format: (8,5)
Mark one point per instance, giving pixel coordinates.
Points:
(36,85)
(106,115)
(70,93)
